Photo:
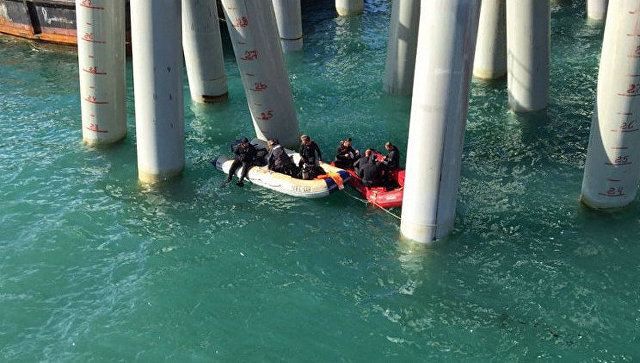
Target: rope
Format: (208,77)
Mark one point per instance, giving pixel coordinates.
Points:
(374,203)
(386,210)
(354,197)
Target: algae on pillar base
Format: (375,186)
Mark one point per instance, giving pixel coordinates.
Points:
(156,42)
(101,63)
(350,7)
(256,44)
(202,48)
(401,47)
(491,48)
(289,19)
(528,42)
(612,169)
(444,62)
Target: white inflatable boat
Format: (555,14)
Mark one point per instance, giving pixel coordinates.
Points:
(333,179)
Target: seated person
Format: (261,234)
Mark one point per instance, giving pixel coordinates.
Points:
(363,161)
(392,160)
(372,174)
(279,161)
(245,154)
(346,155)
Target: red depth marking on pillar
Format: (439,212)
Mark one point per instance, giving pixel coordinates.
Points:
(89,37)
(259,87)
(241,22)
(614,192)
(267,115)
(250,55)
(92,99)
(89,4)
(95,128)
(93,70)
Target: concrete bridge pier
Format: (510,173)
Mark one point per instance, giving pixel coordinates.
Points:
(401,47)
(101,63)
(612,169)
(349,7)
(444,62)
(256,44)
(156,42)
(491,48)
(289,19)
(202,48)
(597,10)
(528,40)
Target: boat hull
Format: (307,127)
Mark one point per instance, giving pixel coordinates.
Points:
(380,196)
(320,187)
(51,21)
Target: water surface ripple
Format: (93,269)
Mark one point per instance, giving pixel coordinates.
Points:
(95,267)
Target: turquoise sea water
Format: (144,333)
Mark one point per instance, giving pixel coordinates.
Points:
(94,266)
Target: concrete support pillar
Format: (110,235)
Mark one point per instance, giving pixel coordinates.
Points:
(101,62)
(254,35)
(202,48)
(349,7)
(528,31)
(289,19)
(401,47)
(491,47)
(156,42)
(612,169)
(597,9)
(446,45)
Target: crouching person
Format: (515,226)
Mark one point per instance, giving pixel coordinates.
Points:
(278,160)
(245,154)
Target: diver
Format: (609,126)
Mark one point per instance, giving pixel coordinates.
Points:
(392,160)
(363,162)
(310,158)
(279,161)
(346,155)
(372,173)
(245,153)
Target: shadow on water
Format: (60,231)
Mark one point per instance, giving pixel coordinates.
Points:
(533,127)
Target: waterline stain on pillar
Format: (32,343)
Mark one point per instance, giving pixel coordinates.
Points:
(444,62)
(256,44)
(401,47)
(528,41)
(491,47)
(156,42)
(612,169)
(289,19)
(202,48)
(101,63)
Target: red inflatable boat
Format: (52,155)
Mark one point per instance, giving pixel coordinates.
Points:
(380,196)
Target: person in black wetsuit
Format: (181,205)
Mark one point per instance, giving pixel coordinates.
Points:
(360,164)
(245,153)
(346,155)
(392,160)
(370,170)
(279,161)
(310,158)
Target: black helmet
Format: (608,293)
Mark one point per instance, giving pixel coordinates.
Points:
(245,140)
